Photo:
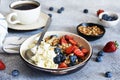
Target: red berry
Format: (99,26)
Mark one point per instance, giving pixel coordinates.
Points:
(99,12)
(67,37)
(62,65)
(2,65)
(63,41)
(111,46)
(78,53)
(69,49)
(73,42)
(85,51)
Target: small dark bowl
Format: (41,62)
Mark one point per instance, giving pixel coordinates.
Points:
(91,37)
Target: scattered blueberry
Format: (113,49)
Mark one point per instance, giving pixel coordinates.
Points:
(62,8)
(100,53)
(59,11)
(51,8)
(15,73)
(108,74)
(85,11)
(50,15)
(98,59)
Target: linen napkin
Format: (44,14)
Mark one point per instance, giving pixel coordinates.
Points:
(3,29)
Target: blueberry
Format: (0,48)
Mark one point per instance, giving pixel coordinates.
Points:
(85,11)
(15,73)
(50,15)
(51,36)
(59,11)
(62,8)
(62,57)
(100,53)
(108,74)
(57,59)
(57,50)
(110,18)
(98,59)
(105,17)
(73,59)
(51,8)
(114,17)
(81,47)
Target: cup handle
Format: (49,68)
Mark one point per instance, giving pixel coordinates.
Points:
(12,18)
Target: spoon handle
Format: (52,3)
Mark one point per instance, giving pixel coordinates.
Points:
(44,31)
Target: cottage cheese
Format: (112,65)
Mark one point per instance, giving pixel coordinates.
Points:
(44,56)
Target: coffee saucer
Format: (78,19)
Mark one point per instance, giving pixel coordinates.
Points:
(37,25)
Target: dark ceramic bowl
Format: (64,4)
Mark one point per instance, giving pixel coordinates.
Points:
(91,37)
(59,71)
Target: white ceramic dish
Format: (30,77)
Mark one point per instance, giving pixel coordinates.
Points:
(79,39)
(37,25)
(109,23)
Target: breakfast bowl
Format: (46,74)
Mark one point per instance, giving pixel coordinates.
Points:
(90,31)
(58,61)
(109,19)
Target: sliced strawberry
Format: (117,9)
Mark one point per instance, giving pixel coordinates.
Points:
(62,65)
(78,53)
(84,50)
(73,42)
(99,12)
(2,65)
(70,49)
(63,41)
(67,37)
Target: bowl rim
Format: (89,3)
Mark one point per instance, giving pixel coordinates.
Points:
(59,69)
(98,25)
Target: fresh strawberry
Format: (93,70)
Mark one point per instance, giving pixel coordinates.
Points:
(73,42)
(2,65)
(84,50)
(70,49)
(78,53)
(62,65)
(67,37)
(63,41)
(99,12)
(111,46)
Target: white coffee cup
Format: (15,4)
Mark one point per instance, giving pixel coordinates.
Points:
(24,12)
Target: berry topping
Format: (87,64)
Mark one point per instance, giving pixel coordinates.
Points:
(51,8)
(99,12)
(98,59)
(73,58)
(85,11)
(100,53)
(15,73)
(50,15)
(108,74)
(2,65)
(57,59)
(111,46)
(57,50)
(62,65)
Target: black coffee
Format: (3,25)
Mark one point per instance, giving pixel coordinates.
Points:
(25,6)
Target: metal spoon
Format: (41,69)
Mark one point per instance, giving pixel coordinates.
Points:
(29,53)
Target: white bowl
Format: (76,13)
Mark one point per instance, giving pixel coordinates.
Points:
(109,23)
(79,39)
